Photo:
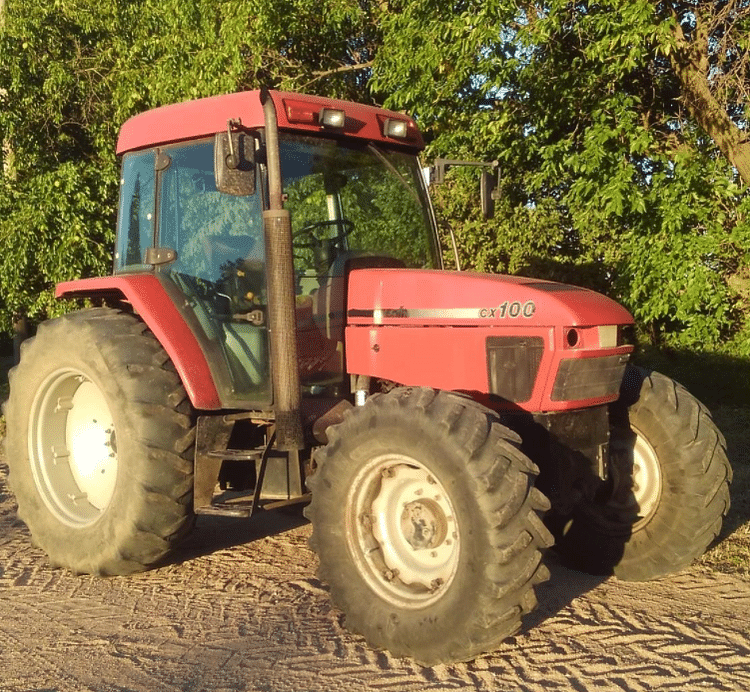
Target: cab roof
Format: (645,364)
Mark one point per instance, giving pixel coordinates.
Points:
(205,117)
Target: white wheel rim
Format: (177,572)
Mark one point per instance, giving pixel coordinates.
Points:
(73,448)
(402,531)
(637,481)
(646,477)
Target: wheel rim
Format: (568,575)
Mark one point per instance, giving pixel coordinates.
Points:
(636,483)
(402,531)
(73,448)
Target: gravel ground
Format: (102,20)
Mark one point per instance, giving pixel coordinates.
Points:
(240,608)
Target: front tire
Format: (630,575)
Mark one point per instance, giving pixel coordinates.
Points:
(668,489)
(426,525)
(99,444)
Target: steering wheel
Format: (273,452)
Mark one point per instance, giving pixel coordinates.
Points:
(346,227)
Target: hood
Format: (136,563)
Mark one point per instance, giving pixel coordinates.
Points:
(399,296)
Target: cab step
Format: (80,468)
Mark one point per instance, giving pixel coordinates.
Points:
(244,508)
(237,454)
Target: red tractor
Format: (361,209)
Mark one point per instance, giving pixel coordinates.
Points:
(278,320)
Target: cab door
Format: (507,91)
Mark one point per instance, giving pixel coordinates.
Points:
(170,202)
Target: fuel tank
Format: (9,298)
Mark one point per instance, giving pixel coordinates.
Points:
(529,344)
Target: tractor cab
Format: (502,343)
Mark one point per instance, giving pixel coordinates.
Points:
(351,204)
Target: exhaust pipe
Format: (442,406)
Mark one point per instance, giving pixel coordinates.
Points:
(282,315)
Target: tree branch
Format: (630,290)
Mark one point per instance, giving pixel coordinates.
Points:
(691,65)
(319,74)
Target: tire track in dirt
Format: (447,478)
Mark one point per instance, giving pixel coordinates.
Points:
(244,611)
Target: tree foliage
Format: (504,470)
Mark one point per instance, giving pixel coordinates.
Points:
(620,127)
(608,177)
(71,71)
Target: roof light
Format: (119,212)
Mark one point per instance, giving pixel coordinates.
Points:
(332,117)
(300,112)
(397,129)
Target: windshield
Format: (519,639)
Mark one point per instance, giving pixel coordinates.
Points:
(355,201)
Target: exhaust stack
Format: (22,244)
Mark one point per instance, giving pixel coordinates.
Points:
(277,228)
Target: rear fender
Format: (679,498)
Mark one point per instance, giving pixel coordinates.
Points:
(152,304)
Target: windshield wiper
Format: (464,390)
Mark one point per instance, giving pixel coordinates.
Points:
(382,157)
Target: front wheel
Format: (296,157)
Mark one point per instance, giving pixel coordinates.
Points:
(425,521)
(668,489)
(99,443)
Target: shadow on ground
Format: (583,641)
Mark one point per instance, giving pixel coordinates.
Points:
(214,533)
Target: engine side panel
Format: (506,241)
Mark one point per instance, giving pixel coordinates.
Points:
(532,345)
(457,359)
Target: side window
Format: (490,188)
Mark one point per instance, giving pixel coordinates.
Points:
(214,234)
(135,227)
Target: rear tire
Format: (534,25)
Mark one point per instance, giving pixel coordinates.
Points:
(99,443)
(668,489)
(425,521)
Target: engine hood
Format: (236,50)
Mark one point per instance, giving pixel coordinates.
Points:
(429,297)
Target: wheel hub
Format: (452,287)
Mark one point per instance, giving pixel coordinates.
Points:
(91,439)
(407,538)
(73,448)
(423,524)
(636,483)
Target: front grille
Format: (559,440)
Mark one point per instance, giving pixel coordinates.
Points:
(512,365)
(588,378)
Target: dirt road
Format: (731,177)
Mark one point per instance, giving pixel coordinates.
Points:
(242,610)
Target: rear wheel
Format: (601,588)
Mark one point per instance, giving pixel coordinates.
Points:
(425,521)
(99,443)
(668,489)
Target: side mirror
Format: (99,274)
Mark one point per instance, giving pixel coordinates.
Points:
(488,193)
(234,163)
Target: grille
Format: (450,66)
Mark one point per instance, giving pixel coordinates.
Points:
(512,366)
(588,378)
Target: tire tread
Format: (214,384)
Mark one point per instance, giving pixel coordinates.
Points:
(150,391)
(502,477)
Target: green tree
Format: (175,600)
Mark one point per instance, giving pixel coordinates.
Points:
(709,56)
(71,71)
(620,127)
(612,172)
